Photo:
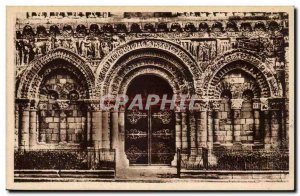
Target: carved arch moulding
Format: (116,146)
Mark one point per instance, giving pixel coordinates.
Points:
(33,75)
(247,62)
(181,78)
(173,51)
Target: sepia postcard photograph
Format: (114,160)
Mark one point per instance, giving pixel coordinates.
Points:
(150,98)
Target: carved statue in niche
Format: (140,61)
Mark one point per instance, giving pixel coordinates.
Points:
(65,43)
(74,45)
(106,47)
(39,47)
(19,52)
(50,44)
(57,43)
(87,49)
(28,53)
(97,47)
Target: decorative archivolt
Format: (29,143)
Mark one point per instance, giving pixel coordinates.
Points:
(172,51)
(151,71)
(33,75)
(247,62)
(179,77)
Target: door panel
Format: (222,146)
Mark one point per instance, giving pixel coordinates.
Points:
(162,136)
(137,136)
(150,136)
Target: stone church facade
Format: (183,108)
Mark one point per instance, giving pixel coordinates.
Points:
(235,63)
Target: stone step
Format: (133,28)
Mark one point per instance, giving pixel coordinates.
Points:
(51,174)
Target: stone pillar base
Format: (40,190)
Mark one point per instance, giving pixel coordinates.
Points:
(174,162)
(212,160)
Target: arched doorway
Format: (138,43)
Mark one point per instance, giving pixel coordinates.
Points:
(149,133)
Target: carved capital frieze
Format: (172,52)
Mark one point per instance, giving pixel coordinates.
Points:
(214,104)
(264,104)
(256,104)
(63,104)
(236,104)
(276,103)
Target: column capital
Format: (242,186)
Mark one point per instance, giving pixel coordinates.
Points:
(214,104)
(202,104)
(256,103)
(264,104)
(276,103)
(93,104)
(27,104)
(236,104)
(63,104)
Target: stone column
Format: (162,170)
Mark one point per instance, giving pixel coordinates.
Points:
(275,108)
(114,129)
(184,127)
(210,129)
(216,122)
(203,125)
(105,129)
(212,160)
(96,124)
(257,136)
(236,105)
(193,136)
(266,121)
(122,161)
(89,127)
(178,129)
(178,134)
(33,126)
(24,139)
(17,126)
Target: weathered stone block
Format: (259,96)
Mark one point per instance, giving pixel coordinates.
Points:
(63,131)
(228,138)
(48,119)
(249,121)
(72,125)
(228,127)
(237,127)
(53,125)
(54,137)
(244,138)
(71,119)
(243,121)
(55,130)
(63,125)
(247,115)
(237,121)
(237,133)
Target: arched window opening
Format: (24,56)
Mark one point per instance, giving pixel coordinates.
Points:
(61,117)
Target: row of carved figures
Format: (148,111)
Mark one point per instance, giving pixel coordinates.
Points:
(27,50)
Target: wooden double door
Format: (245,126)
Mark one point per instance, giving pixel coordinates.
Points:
(149,133)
